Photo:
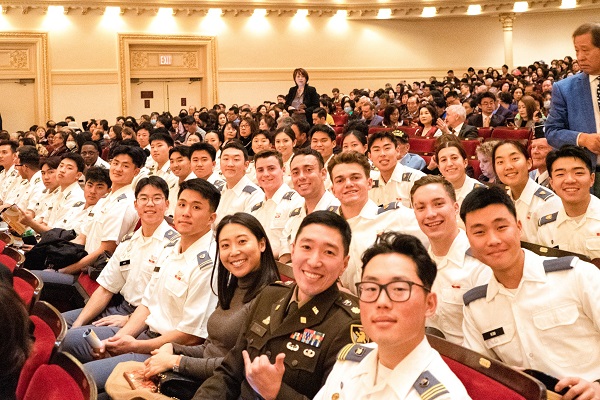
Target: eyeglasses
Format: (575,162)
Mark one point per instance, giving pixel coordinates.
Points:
(145,199)
(397,291)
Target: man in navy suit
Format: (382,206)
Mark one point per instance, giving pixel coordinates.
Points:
(488,117)
(575,112)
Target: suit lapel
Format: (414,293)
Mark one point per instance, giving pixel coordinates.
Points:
(586,104)
(278,310)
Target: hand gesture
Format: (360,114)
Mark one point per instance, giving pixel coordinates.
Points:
(264,377)
(121,345)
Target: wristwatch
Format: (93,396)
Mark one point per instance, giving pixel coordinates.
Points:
(176,365)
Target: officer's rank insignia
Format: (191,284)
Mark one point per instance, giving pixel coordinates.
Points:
(357,334)
(267,320)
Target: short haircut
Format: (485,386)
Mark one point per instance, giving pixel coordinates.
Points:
(91,143)
(268,153)
(203,146)
(382,135)
(303,126)
(320,112)
(76,158)
(162,137)
(568,151)
(457,109)
(323,128)
(13,145)
(189,120)
(451,93)
(52,162)
(590,27)
(205,189)
(408,245)
(147,126)
(481,197)
(136,153)
(236,145)
(183,150)
(155,181)
(300,71)
(350,157)
(29,156)
(98,175)
(431,180)
(486,148)
(516,144)
(485,95)
(307,151)
(331,220)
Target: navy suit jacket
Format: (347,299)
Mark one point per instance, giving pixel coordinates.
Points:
(571,112)
(477,120)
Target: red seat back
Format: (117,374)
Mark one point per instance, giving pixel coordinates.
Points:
(51,382)
(422,145)
(340,119)
(8,261)
(87,283)
(485,132)
(510,133)
(24,290)
(470,146)
(375,129)
(473,162)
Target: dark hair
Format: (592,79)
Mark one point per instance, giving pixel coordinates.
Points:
(516,144)
(13,145)
(322,128)
(485,95)
(357,134)
(307,151)
(218,133)
(433,179)
(267,268)
(351,157)
(163,138)
(358,125)
(382,135)
(205,189)
(236,145)
(51,161)
(571,152)
(253,126)
(29,156)
(183,150)
(481,197)
(203,146)
(147,126)
(136,153)
(76,158)
(269,153)
(408,245)
(331,220)
(99,175)
(286,130)
(387,112)
(155,181)
(189,120)
(446,141)
(300,71)
(320,112)
(303,126)
(432,110)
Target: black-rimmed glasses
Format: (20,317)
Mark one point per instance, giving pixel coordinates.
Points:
(397,291)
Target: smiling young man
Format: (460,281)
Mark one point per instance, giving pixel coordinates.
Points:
(295,331)
(274,211)
(395,180)
(576,225)
(395,300)
(181,167)
(322,139)
(535,312)
(31,186)
(203,161)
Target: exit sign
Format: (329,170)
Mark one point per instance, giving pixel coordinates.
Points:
(165,59)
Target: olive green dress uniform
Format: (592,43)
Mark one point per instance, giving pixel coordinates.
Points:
(310,338)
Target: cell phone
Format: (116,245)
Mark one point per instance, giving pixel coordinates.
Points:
(548,380)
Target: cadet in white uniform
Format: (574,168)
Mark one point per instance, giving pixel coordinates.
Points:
(37,207)
(203,161)
(322,139)
(9,176)
(181,167)
(31,186)
(160,144)
(402,365)
(535,312)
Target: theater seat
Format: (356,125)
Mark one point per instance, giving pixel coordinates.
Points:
(27,285)
(486,378)
(470,147)
(14,254)
(285,272)
(8,261)
(375,129)
(409,130)
(53,318)
(422,145)
(522,135)
(85,286)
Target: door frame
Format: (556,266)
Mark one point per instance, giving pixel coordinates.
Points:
(207,44)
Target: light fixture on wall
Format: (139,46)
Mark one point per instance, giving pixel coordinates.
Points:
(56,10)
(566,4)
(474,9)
(341,14)
(429,12)
(259,13)
(300,20)
(301,13)
(521,6)
(112,11)
(214,13)
(165,12)
(384,13)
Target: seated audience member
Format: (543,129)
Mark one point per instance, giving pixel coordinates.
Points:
(91,155)
(369,115)
(535,312)
(130,267)
(31,186)
(410,115)
(245,267)
(181,167)
(428,117)
(351,182)
(184,269)
(484,155)
(436,210)
(452,162)
(488,116)
(285,141)
(391,117)
(16,340)
(322,139)
(576,225)
(402,364)
(455,124)
(301,129)
(512,163)
(355,141)
(261,140)
(142,135)
(506,107)
(203,161)
(294,332)
(38,206)
(407,159)
(239,194)
(308,177)
(395,180)
(319,116)
(9,176)
(539,150)
(528,114)
(160,144)
(274,211)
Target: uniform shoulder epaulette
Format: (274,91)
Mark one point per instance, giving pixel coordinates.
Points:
(428,387)
(333,209)
(478,292)
(375,183)
(204,259)
(390,206)
(286,284)
(353,352)
(37,180)
(171,234)
(543,193)
(349,303)
(406,176)
(79,204)
(123,196)
(219,184)
(469,252)
(256,206)
(249,189)
(127,237)
(478,185)
(295,211)
(547,219)
(288,195)
(172,242)
(45,191)
(67,196)
(558,264)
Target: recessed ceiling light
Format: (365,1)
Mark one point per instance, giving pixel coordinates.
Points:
(384,13)
(474,9)
(429,12)
(521,6)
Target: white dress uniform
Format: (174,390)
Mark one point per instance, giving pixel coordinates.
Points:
(8,180)
(328,202)
(251,172)
(217,180)
(549,323)
(466,188)
(163,172)
(328,183)
(74,218)
(179,295)
(174,192)
(144,173)
(397,188)
(274,213)
(114,216)
(129,269)
(240,198)
(457,273)
(29,189)
(287,173)
(579,235)
(423,374)
(46,201)
(543,179)
(533,199)
(64,202)
(365,227)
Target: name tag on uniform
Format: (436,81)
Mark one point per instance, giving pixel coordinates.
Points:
(492,334)
(258,329)
(125,262)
